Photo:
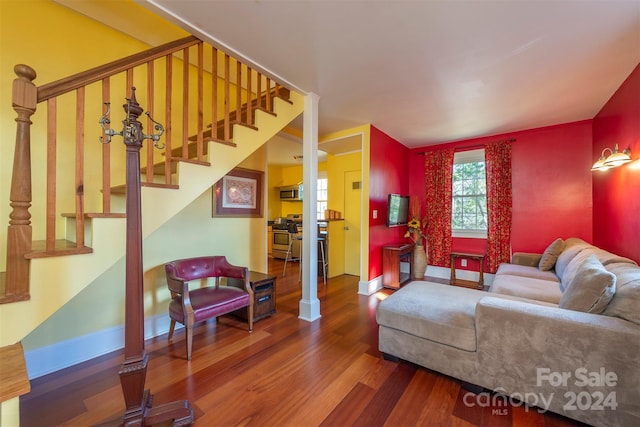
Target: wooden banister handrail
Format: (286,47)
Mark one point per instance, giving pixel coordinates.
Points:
(93,75)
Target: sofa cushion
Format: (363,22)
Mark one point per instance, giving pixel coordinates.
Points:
(526,271)
(527,287)
(550,255)
(439,313)
(590,288)
(572,247)
(626,301)
(607,258)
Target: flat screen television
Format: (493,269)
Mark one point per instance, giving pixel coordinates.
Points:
(397,210)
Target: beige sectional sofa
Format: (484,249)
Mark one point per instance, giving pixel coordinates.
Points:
(558,331)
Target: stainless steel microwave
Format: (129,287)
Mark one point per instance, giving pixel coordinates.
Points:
(292,193)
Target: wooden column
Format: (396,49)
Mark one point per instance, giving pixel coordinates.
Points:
(133,372)
(25,95)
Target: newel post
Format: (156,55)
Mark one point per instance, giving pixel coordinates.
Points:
(24,101)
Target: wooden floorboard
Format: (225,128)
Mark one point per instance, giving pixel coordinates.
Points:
(287,372)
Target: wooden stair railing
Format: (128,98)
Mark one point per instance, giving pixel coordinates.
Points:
(213,85)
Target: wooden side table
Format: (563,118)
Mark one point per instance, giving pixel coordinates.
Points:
(264,295)
(392,256)
(467,283)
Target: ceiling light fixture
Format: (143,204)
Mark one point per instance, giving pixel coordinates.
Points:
(613,160)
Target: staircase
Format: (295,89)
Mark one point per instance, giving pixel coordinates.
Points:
(244,110)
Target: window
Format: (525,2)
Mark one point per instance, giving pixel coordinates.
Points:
(469,195)
(322,195)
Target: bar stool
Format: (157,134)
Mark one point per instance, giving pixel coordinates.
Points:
(292,229)
(321,242)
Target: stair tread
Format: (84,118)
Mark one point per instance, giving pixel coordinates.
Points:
(14,380)
(159,168)
(121,189)
(61,247)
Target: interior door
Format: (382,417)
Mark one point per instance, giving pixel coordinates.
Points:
(352,226)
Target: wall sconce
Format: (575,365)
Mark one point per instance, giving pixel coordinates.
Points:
(613,160)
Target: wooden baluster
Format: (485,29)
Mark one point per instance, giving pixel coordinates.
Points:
(106,154)
(269,105)
(19,232)
(249,97)
(129,82)
(80,167)
(52,131)
(238,91)
(259,90)
(214,93)
(167,124)
(185,104)
(199,143)
(150,124)
(227,96)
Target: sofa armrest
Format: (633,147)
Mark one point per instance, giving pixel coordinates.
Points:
(528,259)
(548,351)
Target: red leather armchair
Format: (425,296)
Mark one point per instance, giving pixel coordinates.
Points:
(190,306)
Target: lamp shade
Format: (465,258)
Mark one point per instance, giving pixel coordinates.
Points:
(616,158)
(613,160)
(600,165)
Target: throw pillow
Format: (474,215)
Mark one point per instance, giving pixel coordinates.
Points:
(590,289)
(550,255)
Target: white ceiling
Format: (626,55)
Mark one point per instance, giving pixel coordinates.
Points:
(422,71)
(427,72)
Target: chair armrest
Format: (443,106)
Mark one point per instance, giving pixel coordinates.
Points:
(527,259)
(176,284)
(226,269)
(231,271)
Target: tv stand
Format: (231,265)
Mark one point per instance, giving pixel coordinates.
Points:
(392,256)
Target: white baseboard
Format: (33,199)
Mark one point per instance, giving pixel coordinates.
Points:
(45,360)
(370,287)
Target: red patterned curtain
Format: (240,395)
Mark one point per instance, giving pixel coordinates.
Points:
(498,168)
(438,171)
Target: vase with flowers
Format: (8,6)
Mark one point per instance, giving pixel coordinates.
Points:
(416,232)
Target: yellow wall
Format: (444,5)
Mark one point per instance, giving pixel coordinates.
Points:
(192,232)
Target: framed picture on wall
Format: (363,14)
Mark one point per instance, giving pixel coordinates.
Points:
(238,194)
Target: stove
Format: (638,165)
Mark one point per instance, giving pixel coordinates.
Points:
(281,236)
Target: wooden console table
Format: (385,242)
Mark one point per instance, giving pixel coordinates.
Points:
(467,283)
(392,256)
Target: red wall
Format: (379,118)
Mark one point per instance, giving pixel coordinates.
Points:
(389,163)
(616,192)
(551,181)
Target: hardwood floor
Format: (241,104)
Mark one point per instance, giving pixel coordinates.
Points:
(288,372)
